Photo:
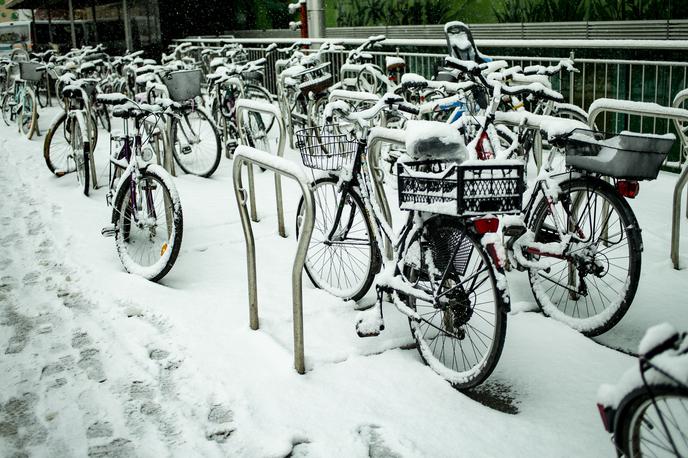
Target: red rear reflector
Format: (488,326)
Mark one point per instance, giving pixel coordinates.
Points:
(628,188)
(603,414)
(485,225)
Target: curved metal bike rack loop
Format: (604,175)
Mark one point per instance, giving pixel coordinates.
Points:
(246,155)
(674,113)
(262,107)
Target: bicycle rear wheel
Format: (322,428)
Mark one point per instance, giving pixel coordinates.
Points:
(149,225)
(57,146)
(655,428)
(592,287)
(196,143)
(345,265)
(461,331)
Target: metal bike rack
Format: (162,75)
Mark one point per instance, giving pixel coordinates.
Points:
(674,113)
(248,156)
(262,107)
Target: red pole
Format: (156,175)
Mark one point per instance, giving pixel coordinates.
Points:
(304,21)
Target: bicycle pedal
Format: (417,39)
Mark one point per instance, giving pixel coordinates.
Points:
(108,231)
(369,323)
(514,229)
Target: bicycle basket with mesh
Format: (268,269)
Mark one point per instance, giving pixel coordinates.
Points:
(322,149)
(626,155)
(28,71)
(183,85)
(464,190)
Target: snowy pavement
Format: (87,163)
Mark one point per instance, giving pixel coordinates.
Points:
(96,362)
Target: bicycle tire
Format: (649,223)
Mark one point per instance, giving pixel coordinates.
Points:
(592,324)
(57,156)
(638,415)
(152,174)
(192,160)
(28,114)
(326,201)
(366,81)
(42,93)
(253,92)
(80,153)
(7,107)
(454,248)
(58,92)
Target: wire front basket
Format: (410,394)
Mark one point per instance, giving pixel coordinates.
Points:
(323,149)
(464,190)
(183,85)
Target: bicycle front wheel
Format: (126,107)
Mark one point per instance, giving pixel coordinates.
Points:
(344,264)
(196,143)
(7,107)
(28,114)
(461,330)
(80,155)
(656,427)
(148,224)
(591,287)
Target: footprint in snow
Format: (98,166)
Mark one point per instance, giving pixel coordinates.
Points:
(220,425)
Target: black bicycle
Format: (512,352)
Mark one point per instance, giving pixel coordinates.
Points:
(441,272)
(647,413)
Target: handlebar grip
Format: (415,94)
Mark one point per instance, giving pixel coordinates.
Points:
(410,109)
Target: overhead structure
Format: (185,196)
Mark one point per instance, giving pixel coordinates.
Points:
(71,6)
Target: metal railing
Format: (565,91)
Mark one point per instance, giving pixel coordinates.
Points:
(654,29)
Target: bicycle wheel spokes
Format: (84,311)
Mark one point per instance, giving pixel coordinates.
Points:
(341,261)
(659,429)
(596,278)
(461,331)
(197,145)
(146,222)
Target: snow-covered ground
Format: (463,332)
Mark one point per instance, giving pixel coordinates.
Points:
(101,363)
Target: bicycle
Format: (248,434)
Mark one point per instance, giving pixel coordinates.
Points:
(72,136)
(147,219)
(20,104)
(440,275)
(577,236)
(647,412)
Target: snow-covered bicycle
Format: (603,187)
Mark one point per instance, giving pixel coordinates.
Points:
(444,273)
(147,220)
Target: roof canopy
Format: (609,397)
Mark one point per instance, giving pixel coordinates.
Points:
(56,4)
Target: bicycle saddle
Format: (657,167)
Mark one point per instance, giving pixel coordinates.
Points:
(434,140)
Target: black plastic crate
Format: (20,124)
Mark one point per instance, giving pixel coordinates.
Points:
(464,190)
